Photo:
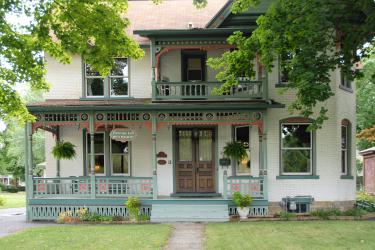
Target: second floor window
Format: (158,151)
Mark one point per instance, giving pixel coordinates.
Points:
(114,85)
(284,67)
(345,81)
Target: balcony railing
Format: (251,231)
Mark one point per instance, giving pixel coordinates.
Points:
(112,186)
(205,90)
(254,186)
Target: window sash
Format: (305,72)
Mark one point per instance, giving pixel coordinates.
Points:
(107,83)
(345,161)
(88,141)
(248,150)
(296,148)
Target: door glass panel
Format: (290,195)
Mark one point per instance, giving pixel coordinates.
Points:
(194,69)
(205,145)
(185,145)
(99,164)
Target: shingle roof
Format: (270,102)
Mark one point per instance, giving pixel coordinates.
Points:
(170,14)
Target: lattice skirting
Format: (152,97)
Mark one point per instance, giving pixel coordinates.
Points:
(51,212)
(255,211)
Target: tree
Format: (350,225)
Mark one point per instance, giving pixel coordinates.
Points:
(366,103)
(317,37)
(93,29)
(12,141)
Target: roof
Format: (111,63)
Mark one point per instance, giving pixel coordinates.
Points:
(146,104)
(367,151)
(170,14)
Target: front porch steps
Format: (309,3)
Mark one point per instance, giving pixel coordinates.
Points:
(190,211)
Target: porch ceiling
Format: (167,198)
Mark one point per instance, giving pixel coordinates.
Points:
(58,105)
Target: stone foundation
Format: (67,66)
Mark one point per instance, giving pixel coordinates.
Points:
(275,207)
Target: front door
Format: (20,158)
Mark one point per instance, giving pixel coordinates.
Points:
(195,160)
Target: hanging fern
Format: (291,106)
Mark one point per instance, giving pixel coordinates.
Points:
(235,150)
(64,150)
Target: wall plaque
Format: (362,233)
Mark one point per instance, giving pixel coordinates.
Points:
(123,134)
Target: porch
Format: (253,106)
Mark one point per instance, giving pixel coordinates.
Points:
(107,196)
(155,164)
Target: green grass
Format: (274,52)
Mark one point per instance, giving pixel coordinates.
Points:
(13,200)
(292,235)
(89,237)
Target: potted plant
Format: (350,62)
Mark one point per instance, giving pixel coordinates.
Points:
(242,202)
(235,150)
(64,150)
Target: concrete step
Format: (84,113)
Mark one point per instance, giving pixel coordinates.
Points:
(189,212)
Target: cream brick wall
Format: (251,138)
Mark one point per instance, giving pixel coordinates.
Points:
(67,79)
(329,187)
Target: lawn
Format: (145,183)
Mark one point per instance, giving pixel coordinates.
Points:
(292,235)
(13,200)
(89,237)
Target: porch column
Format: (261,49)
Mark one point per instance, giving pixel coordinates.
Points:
(57,161)
(92,155)
(28,167)
(153,65)
(264,157)
(154,161)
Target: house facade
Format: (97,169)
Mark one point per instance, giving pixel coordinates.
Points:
(155,129)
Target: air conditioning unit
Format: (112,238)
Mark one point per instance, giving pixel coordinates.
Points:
(190,25)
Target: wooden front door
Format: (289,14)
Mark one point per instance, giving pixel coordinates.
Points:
(195,160)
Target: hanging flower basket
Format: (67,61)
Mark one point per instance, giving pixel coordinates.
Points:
(64,151)
(235,150)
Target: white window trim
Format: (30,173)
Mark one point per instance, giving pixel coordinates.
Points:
(249,149)
(88,155)
(111,160)
(301,148)
(107,85)
(344,149)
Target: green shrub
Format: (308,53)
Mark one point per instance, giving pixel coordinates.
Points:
(285,215)
(21,189)
(321,213)
(133,204)
(2,201)
(2,187)
(235,150)
(242,200)
(356,212)
(11,189)
(366,202)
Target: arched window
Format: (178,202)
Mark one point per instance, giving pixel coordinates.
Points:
(345,147)
(296,147)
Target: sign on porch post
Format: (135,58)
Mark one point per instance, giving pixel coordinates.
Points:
(123,134)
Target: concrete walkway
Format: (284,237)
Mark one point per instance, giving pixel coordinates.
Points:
(13,220)
(186,236)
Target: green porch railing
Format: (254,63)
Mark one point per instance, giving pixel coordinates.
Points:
(254,186)
(204,90)
(123,186)
(111,186)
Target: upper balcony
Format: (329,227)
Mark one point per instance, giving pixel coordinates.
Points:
(180,73)
(174,91)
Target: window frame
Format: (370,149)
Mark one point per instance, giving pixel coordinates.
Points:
(107,83)
(345,162)
(88,140)
(235,164)
(111,159)
(348,157)
(311,148)
(345,83)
